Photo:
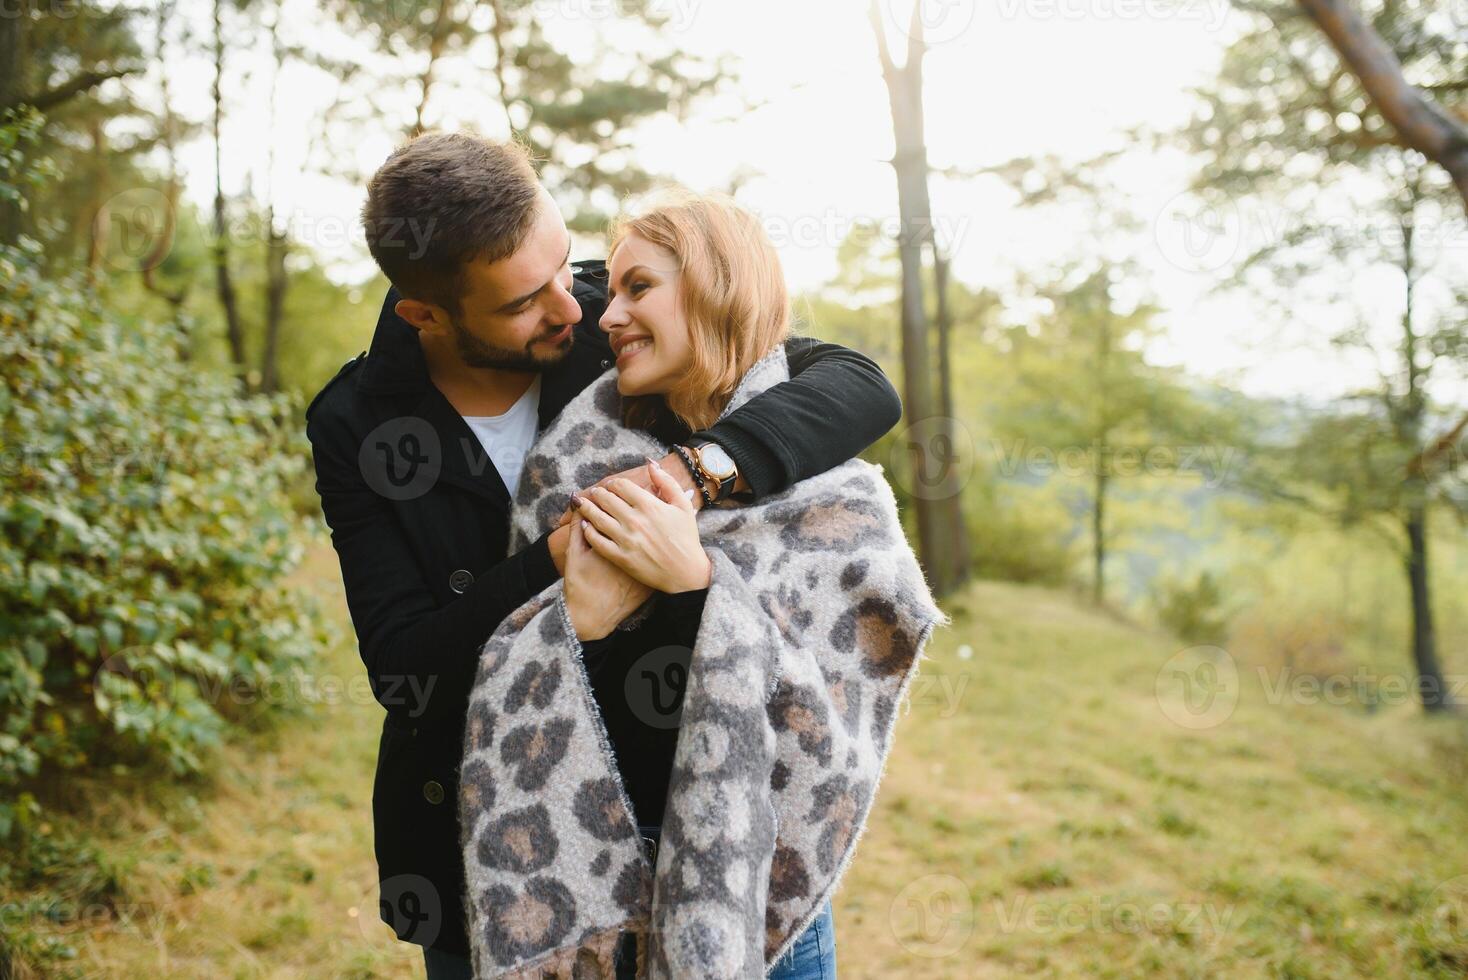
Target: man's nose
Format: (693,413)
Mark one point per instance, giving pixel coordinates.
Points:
(567,310)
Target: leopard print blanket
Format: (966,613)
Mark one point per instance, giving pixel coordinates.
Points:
(813,628)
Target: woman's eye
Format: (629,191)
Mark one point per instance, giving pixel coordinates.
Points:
(636,287)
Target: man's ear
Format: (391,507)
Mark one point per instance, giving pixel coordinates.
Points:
(425,317)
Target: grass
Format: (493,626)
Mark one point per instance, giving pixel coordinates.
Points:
(1043,812)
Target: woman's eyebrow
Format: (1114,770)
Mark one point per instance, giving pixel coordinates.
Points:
(612,291)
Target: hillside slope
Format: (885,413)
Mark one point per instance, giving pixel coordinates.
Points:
(1043,812)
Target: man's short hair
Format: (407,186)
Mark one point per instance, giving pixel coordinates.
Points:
(442,200)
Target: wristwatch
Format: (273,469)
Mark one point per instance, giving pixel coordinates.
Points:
(715,466)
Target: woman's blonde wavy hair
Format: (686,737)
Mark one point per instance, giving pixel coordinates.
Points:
(733,295)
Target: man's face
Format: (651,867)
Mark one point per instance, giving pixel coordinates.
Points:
(517,314)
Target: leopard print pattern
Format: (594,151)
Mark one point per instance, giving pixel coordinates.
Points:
(811,634)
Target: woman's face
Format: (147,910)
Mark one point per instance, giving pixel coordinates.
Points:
(644,318)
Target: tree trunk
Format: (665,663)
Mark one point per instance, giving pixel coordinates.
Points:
(164,243)
(937,506)
(275,283)
(224,284)
(437,39)
(958,546)
(12,55)
(1431,685)
(1098,531)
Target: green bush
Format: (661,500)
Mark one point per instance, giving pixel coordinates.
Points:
(1194,611)
(145,529)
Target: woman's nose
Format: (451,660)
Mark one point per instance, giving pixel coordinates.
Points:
(613,317)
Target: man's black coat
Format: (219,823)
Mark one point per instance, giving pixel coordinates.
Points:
(419,519)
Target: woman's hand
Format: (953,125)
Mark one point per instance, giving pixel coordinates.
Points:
(654,539)
(671,464)
(599,595)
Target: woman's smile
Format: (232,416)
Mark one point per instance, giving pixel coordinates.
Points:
(632,347)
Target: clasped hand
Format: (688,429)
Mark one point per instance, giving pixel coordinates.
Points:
(627,542)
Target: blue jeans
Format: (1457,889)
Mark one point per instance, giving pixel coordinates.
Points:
(811,957)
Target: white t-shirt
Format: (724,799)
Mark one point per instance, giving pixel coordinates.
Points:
(507,438)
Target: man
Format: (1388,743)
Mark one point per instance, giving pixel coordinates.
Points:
(418,444)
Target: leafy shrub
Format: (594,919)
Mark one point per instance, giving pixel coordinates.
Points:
(145,530)
(1193,611)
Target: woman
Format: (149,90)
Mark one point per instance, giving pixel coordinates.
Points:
(693,781)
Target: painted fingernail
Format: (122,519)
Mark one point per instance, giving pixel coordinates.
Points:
(575,499)
(655,464)
(688,493)
(585,525)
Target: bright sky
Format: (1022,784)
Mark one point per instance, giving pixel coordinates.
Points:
(1005,78)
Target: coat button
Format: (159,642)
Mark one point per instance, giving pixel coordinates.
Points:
(461,580)
(433,792)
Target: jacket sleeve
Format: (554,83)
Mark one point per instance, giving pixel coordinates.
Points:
(836,403)
(420,656)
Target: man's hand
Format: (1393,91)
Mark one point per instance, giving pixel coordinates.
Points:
(671,464)
(599,595)
(653,537)
(558,543)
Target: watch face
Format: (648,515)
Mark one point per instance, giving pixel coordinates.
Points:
(716,461)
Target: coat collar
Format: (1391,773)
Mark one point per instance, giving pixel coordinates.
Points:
(395,363)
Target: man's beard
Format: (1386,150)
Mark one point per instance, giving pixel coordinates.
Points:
(476,353)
